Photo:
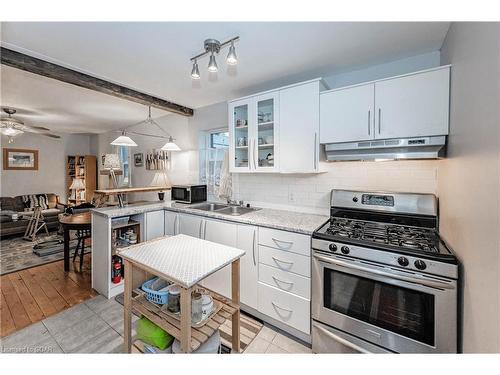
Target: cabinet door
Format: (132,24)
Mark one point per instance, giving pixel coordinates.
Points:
(190,225)
(265,141)
(413,106)
(171,222)
(240,116)
(225,234)
(249,276)
(347,115)
(155,224)
(299,128)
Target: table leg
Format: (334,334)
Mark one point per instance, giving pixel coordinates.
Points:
(186,320)
(66,249)
(127,307)
(235,296)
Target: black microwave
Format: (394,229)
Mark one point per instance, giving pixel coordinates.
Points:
(189,193)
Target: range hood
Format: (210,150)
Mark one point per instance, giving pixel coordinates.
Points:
(388,149)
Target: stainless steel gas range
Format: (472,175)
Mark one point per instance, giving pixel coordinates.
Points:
(382,279)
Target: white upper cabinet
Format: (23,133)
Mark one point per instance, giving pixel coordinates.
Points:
(299,128)
(413,106)
(347,115)
(276,131)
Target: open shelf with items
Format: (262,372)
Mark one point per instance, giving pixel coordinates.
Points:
(82,167)
(199,334)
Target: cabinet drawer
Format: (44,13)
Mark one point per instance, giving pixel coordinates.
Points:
(285,307)
(286,281)
(287,241)
(285,261)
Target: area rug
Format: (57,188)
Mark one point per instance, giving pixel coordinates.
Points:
(249,329)
(17,254)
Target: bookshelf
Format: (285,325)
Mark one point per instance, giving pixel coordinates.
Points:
(85,168)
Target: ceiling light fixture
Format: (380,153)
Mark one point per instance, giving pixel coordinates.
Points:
(195,73)
(124,140)
(231,58)
(212,64)
(212,48)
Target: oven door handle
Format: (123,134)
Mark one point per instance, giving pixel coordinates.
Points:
(415,280)
(341,340)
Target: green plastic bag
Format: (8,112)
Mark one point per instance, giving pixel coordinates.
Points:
(151,334)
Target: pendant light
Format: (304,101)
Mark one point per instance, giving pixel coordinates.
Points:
(231,58)
(212,64)
(123,140)
(170,145)
(195,72)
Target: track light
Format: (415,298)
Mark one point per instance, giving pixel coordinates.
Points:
(212,65)
(231,58)
(212,48)
(195,72)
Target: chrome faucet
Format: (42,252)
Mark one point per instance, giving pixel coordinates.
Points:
(234,202)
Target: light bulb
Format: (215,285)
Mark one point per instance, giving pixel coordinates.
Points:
(195,72)
(231,58)
(212,64)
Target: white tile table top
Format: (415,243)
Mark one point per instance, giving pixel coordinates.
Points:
(182,259)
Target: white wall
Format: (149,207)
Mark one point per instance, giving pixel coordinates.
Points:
(469,179)
(390,69)
(51,174)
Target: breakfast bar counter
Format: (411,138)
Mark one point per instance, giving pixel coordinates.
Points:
(185,261)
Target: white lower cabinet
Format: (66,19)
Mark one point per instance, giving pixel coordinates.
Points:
(243,237)
(155,224)
(190,225)
(286,281)
(285,261)
(171,219)
(285,307)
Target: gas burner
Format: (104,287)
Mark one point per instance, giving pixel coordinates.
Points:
(413,238)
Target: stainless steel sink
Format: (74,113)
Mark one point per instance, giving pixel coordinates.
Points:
(224,209)
(237,210)
(209,206)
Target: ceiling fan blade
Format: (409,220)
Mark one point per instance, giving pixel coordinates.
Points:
(50,135)
(36,127)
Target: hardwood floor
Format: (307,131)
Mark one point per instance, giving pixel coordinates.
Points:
(34,294)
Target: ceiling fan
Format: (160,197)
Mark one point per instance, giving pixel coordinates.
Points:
(12,127)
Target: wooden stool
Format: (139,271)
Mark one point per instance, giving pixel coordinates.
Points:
(81,235)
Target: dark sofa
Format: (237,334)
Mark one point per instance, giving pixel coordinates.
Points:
(20,204)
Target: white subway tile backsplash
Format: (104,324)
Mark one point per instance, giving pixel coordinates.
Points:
(312,191)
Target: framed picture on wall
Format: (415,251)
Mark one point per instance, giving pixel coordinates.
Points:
(20,159)
(139,159)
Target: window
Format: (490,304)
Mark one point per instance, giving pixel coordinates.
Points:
(213,145)
(124,154)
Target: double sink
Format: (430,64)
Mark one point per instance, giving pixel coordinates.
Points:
(225,209)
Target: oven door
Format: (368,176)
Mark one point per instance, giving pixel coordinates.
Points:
(402,311)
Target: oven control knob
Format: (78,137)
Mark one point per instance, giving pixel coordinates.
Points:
(403,261)
(332,247)
(420,265)
(344,249)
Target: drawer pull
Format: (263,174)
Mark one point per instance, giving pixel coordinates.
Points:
(278,281)
(278,261)
(277,242)
(281,308)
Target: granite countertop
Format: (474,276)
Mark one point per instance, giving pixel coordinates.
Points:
(182,259)
(291,221)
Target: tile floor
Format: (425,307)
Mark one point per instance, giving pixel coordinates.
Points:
(96,326)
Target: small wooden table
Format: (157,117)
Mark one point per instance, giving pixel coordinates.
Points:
(73,222)
(185,261)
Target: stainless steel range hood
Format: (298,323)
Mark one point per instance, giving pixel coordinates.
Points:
(388,149)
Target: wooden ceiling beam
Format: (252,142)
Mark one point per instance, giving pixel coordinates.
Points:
(47,69)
